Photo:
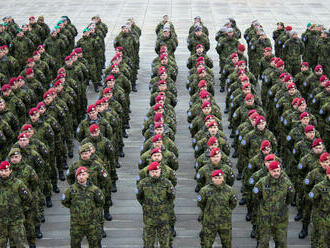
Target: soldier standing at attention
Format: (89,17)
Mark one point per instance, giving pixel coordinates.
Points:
(156,195)
(85,201)
(217,200)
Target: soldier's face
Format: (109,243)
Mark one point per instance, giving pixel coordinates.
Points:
(99,108)
(93,115)
(162,87)
(30,131)
(230,34)
(310,135)
(279,26)
(198,33)
(242,67)
(302,107)
(23,142)
(166,34)
(217,180)
(318,149)
(34,117)
(250,102)
(164,61)
(85,155)
(292,91)
(325,164)
(266,150)
(15,159)
(213,130)
(82,178)
(159,130)
(2,105)
(215,145)
(6,92)
(155,173)
(304,68)
(158,143)
(42,110)
(304,121)
(261,126)
(163,76)
(5,173)
(48,100)
(96,133)
(216,158)
(200,50)
(319,71)
(157,157)
(275,173)
(247,90)
(206,110)
(111,83)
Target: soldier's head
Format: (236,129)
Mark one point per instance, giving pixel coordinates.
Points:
(32,20)
(213,128)
(302,105)
(107,92)
(164,59)
(156,154)
(15,156)
(274,169)
(166,32)
(241,65)
(5,170)
(6,89)
(159,128)
(202,85)
(197,19)
(234,57)
(288,29)
(215,155)
(294,35)
(48,99)
(325,160)
(68,61)
(201,72)
(325,33)
(36,55)
(82,175)
(165,18)
(160,98)
(217,177)
(92,112)
(23,139)
(41,106)
(266,147)
(249,99)
(304,66)
(204,96)
(318,146)
(246,88)
(13,83)
(154,170)
(206,108)
(240,49)
(94,130)
(162,85)
(304,119)
(40,20)
(105,103)
(163,74)
(28,129)
(212,142)
(272,62)
(261,123)
(310,132)
(91,147)
(34,114)
(96,19)
(110,81)
(267,51)
(230,33)
(279,25)
(327,86)
(200,49)
(280,65)
(29,73)
(85,152)
(292,89)
(198,31)
(318,70)
(2,104)
(99,105)
(58,86)
(157,141)
(253,118)
(323,80)
(208,119)
(5,49)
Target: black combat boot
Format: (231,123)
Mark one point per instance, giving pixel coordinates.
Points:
(118,164)
(61,176)
(114,187)
(49,203)
(222,89)
(38,232)
(173,231)
(299,216)
(56,189)
(304,231)
(121,152)
(253,232)
(107,215)
(242,202)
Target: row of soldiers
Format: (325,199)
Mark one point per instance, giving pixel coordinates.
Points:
(44,120)
(214,174)
(278,127)
(158,161)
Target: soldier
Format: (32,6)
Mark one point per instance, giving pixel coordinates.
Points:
(320,196)
(276,34)
(274,193)
(156,195)
(293,49)
(85,201)
(323,45)
(217,200)
(198,38)
(15,201)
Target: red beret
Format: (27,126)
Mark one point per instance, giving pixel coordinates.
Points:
(81,170)
(327,84)
(57,83)
(204,94)
(67,58)
(4,165)
(119,48)
(283,75)
(295,100)
(199,45)
(233,55)
(31,17)
(246,85)
(158,117)
(78,50)
(200,63)
(159,98)
(5,87)
(244,78)
(241,62)
(217,173)
(156,138)
(206,104)
(158,106)
(272,59)
(252,111)
(162,68)
(163,56)
(153,166)
(33,111)
(260,119)
(51,91)
(161,82)
(158,125)
(214,152)
(107,90)
(274,165)
(40,46)
(156,150)
(241,72)
(270,157)
(27,127)
(287,78)
(264,144)
(241,47)
(40,104)
(267,49)
(29,71)
(59,76)
(115,57)
(202,83)
(109,78)
(199,59)
(12,81)
(98,102)
(309,128)
(212,124)
(303,115)
(291,86)
(249,97)
(23,136)
(35,52)
(301,101)
(91,108)
(318,67)
(208,117)
(323,78)
(46,94)
(61,70)
(114,66)
(104,100)
(212,140)
(201,70)
(317,142)
(20,78)
(288,28)
(279,63)
(324,157)
(254,116)
(304,64)
(73,54)
(277,60)
(93,128)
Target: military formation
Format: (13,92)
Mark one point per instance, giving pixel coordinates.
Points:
(277,104)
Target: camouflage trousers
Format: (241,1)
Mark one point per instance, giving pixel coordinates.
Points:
(320,236)
(91,231)
(15,233)
(162,231)
(209,233)
(279,232)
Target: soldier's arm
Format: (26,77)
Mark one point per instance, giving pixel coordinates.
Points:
(200,176)
(290,193)
(66,198)
(173,178)
(98,197)
(139,194)
(174,162)
(171,191)
(70,176)
(202,199)
(230,181)
(232,199)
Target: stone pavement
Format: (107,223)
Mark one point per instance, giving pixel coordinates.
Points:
(126,228)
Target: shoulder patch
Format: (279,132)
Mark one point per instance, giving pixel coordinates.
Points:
(255,190)
(198,176)
(251,180)
(311,195)
(199,198)
(63,197)
(138,178)
(136,191)
(306,181)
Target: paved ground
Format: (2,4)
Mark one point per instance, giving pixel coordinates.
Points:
(126,228)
